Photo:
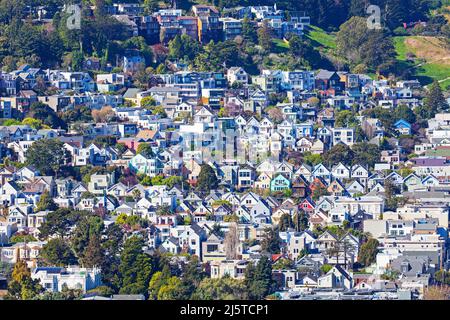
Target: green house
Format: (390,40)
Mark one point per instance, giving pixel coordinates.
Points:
(280,183)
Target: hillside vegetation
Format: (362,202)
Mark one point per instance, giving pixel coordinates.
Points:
(427,56)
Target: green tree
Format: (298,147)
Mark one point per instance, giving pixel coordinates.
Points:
(433,103)
(225,288)
(145,149)
(112,244)
(135,268)
(285,222)
(77,60)
(258,279)
(265,35)
(93,255)
(158,280)
(271,241)
(301,221)
(56,252)
(171,290)
(183,46)
(312,159)
(365,154)
(56,223)
(207,179)
(361,45)
(148,102)
(47,155)
(249,31)
(339,153)
(17,238)
(46,202)
(283,264)
(86,228)
(405,112)
(41,111)
(22,286)
(368,252)
(345,119)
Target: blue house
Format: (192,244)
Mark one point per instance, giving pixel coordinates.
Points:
(280,183)
(403,127)
(305,129)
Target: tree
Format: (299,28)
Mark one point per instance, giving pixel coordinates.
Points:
(93,255)
(285,222)
(283,264)
(46,202)
(361,45)
(21,237)
(368,252)
(365,154)
(172,290)
(56,223)
(271,241)
(339,153)
(47,156)
(231,242)
(207,179)
(442,277)
(265,35)
(135,268)
(183,46)
(390,191)
(148,102)
(158,280)
(249,31)
(87,227)
(437,293)
(404,112)
(312,159)
(111,245)
(145,149)
(345,119)
(22,286)
(191,279)
(258,279)
(34,123)
(77,60)
(433,103)
(301,221)
(225,288)
(56,252)
(42,112)
(105,114)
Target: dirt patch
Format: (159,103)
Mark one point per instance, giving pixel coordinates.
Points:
(431,49)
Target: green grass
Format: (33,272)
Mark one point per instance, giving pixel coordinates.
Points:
(321,38)
(425,73)
(433,71)
(400,48)
(280,45)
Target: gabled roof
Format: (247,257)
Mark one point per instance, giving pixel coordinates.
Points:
(328,233)
(402,123)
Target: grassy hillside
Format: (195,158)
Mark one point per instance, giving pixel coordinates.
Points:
(428,57)
(321,38)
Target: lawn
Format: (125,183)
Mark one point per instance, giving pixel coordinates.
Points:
(433,62)
(280,45)
(400,48)
(321,38)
